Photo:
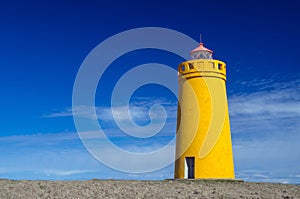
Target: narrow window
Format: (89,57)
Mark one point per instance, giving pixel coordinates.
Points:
(182,68)
(191,66)
(220,66)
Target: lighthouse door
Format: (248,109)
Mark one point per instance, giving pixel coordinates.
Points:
(190,167)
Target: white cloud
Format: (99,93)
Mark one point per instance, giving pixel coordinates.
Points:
(265,126)
(45,139)
(274,82)
(274,103)
(49,172)
(81,111)
(138,110)
(275,110)
(4,170)
(142,118)
(62,156)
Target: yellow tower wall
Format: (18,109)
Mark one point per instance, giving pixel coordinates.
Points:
(203,128)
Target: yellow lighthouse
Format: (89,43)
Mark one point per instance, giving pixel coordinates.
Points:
(203,140)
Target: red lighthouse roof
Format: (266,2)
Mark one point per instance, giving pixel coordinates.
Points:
(201,52)
(201,48)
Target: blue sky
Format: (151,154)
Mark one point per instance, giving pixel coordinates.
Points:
(43,45)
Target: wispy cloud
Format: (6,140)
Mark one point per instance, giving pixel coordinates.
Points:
(4,170)
(265,128)
(62,156)
(143,117)
(276,110)
(66,172)
(138,109)
(267,103)
(275,81)
(266,131)
(266,176)
(39,139)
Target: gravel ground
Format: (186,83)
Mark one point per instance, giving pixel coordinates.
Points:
(145,189)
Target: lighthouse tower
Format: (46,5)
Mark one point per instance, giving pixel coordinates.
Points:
(203,140)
